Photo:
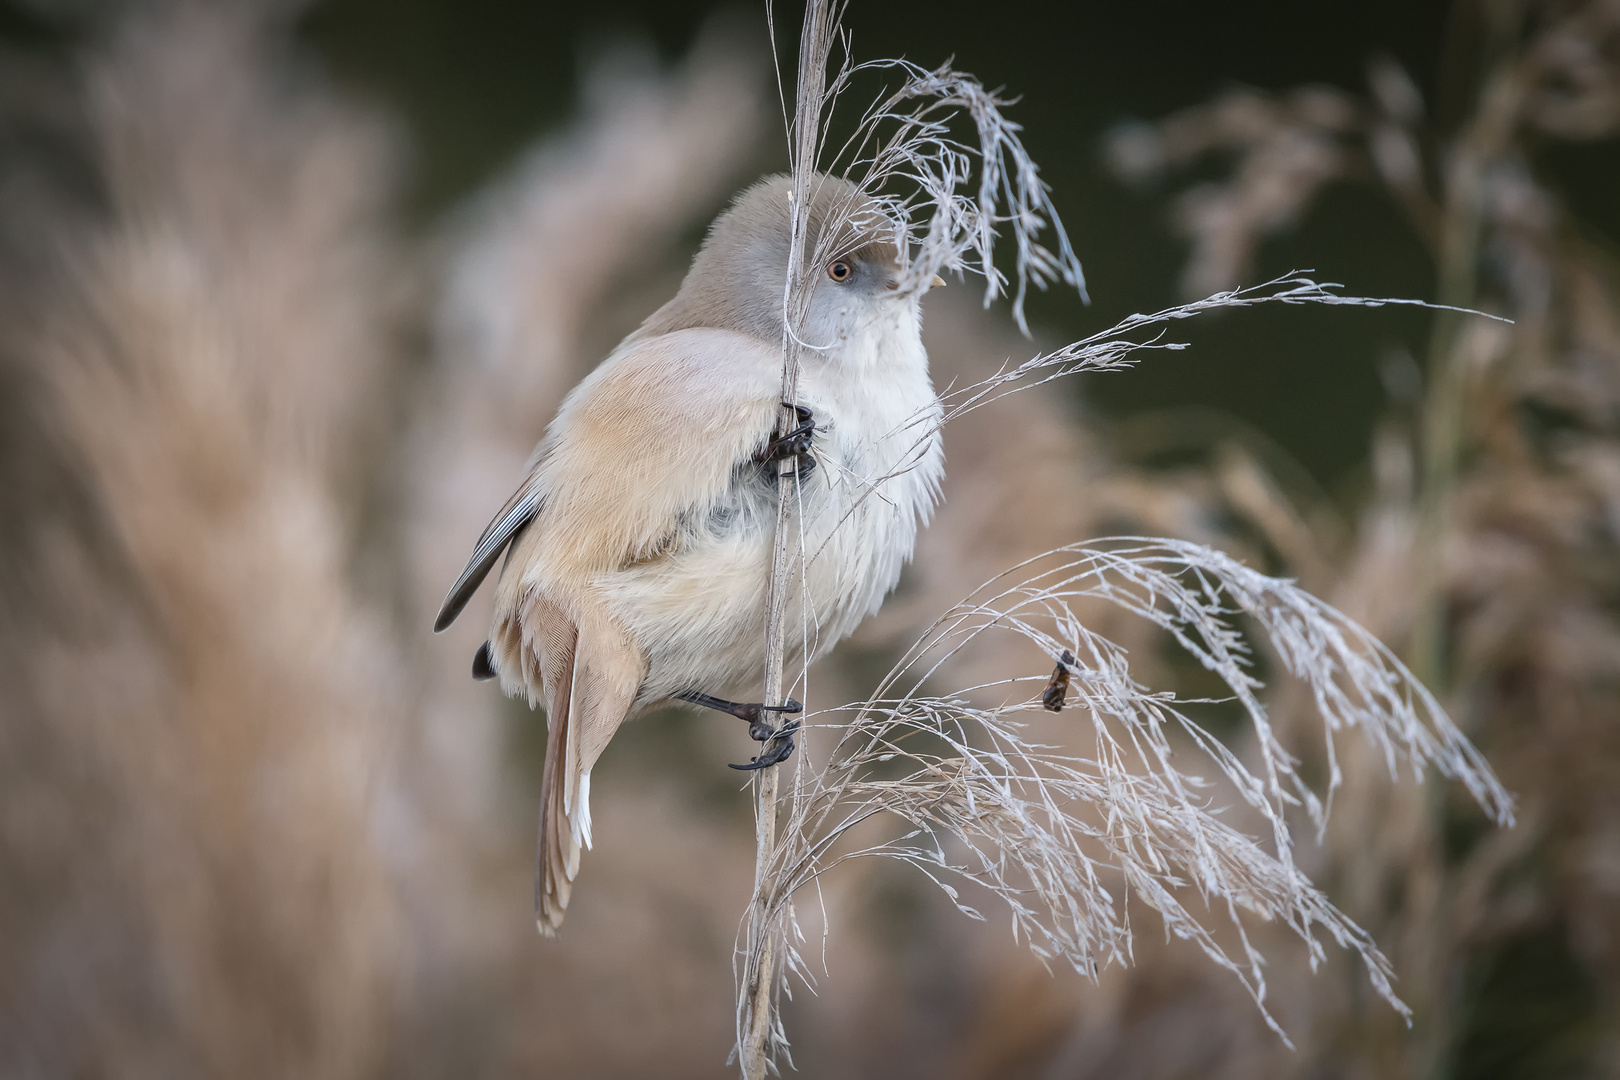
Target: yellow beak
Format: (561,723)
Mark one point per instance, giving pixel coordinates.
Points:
(937,283)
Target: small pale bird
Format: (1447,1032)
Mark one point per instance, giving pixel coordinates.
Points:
(640,541)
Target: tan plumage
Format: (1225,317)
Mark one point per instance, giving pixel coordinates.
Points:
(639,543)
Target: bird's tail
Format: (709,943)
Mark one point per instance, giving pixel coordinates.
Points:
(557,858)
(590,678)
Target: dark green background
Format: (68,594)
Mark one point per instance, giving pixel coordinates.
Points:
(476,80)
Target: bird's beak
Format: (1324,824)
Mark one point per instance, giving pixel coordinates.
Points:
(937,283)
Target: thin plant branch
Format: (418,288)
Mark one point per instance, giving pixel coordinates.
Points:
(757,1020)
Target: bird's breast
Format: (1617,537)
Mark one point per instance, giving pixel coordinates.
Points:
(879,475)
(699,612)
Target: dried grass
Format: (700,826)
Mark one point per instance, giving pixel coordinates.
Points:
(1480,553)
(1002,802)
(192,707)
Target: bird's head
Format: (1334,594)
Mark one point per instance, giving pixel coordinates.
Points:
(738,278)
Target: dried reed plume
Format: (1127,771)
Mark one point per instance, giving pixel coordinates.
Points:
(1492,519)
(192,707)
(1047,832)
(1043,831)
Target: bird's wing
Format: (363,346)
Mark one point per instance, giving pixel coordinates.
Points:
(651,437)
(651,434)
(518,512)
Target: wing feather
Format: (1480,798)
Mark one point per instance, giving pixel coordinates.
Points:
(519,510)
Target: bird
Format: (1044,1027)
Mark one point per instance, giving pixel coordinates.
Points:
(638,546)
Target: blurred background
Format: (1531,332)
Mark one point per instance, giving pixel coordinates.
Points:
(289,291)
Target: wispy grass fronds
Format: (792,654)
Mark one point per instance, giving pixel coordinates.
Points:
(950,198)
(1117,346)
(945,195)
(1064,841)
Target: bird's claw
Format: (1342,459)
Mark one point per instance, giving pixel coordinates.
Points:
(778,746)
(760,729)
(778,743)
(796,443)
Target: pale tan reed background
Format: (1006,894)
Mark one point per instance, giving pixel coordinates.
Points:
(255,822)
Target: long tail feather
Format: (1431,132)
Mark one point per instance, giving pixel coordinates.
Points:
(591,680)
(557,860)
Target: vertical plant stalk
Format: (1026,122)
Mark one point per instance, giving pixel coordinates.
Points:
(815,47)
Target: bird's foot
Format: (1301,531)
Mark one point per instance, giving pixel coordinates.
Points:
(779,742)
(777,748)
(796,443)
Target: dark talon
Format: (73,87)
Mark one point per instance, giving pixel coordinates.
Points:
(773,752)
(779,744)
(795,444)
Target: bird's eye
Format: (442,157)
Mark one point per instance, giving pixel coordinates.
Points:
(840,271)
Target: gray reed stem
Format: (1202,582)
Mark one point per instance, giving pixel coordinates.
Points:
(815,46)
